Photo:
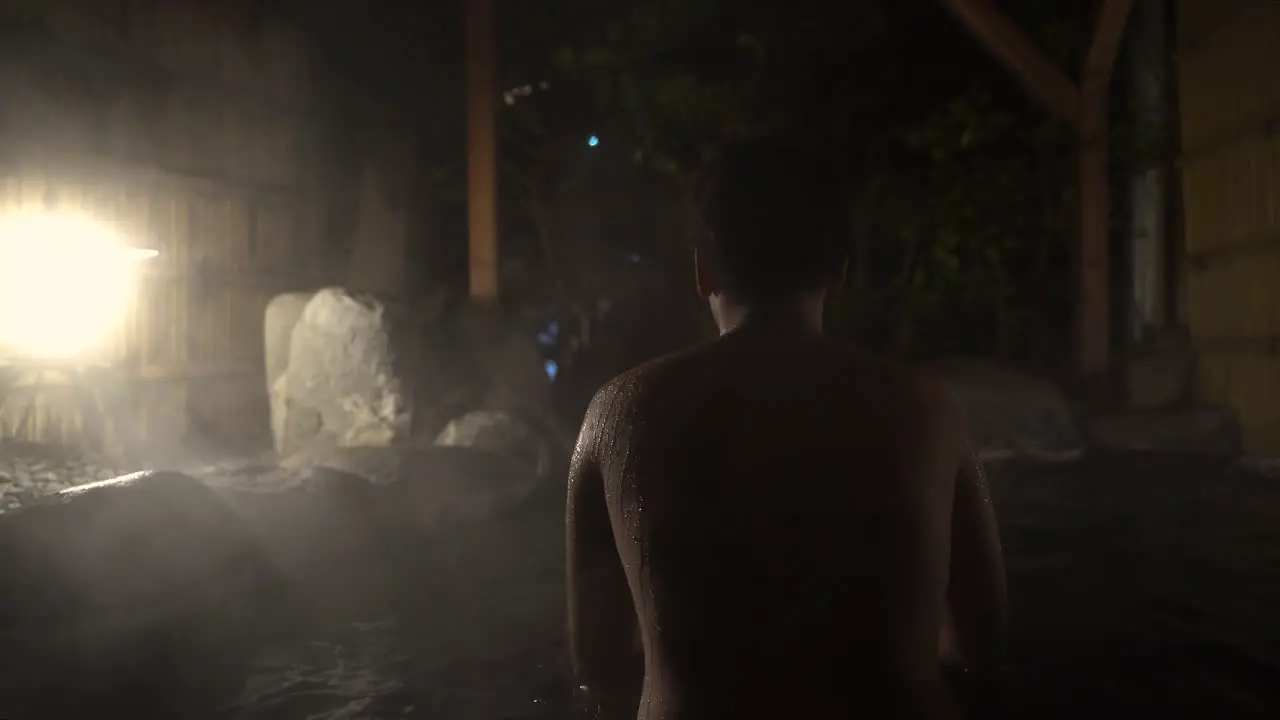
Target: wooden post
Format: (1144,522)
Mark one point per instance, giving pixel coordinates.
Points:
(482,177)
(1093,317)
(1093,250)
(1083,106)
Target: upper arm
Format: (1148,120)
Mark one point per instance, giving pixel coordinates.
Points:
(977,588)
(587,528)
(601,614)
(587,525)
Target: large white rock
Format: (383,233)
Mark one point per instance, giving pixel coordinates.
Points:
(430,488)
(1010,413)
(141,594)
(501,432)
(281,317)
(342,367)
(309,520)
(364,372)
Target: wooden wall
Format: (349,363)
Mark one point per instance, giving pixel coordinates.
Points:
(186,125)
(1229,82)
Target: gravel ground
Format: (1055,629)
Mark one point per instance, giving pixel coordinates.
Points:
(29,471)
(1139,583)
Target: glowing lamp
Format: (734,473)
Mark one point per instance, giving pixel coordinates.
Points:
(65,283)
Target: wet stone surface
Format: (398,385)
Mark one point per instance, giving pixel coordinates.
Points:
(465,625)
(1143,583)
(1140,583)
(29,471)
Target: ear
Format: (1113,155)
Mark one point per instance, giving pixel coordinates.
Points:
(836,284)
(704,277)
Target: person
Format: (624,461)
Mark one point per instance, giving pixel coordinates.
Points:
(785,520)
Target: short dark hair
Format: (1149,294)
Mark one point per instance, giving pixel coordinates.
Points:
(773,215)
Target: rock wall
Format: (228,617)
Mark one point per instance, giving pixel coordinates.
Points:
(352,369)
(138,599)
(1010,413)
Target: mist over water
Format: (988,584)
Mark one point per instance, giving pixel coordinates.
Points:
(1137,582)
(456,620)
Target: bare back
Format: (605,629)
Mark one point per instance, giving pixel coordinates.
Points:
(783,513)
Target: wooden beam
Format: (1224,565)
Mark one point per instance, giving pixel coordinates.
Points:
(1267,345)
(1093,249)
(186,372)
(1045,81)
(1108,30)
(114,66)
(1199,22)
(70,165)
(1234,246)
(270,280)
(482,157)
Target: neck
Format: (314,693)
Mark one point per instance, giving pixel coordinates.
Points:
(796,316)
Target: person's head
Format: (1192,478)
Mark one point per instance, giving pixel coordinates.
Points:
(773,243)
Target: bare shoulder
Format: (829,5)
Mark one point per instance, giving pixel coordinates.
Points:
(631,386)
(617,400)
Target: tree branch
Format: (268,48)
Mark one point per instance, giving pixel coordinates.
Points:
(528,192)
(521,144)
(1003,39)
(523,180)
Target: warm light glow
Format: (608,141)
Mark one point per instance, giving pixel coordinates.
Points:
(65,283)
